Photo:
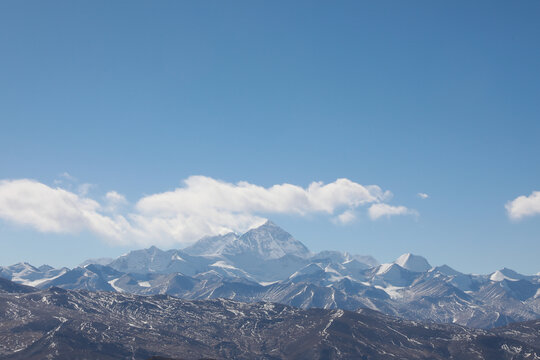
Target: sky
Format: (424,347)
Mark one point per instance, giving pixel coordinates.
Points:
(374,127)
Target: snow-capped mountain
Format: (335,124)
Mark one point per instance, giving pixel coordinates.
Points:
(30,275)
(507,274)
(154,260)
(212,245)
(413,263)
(268,264)
(393,275)
(266,242)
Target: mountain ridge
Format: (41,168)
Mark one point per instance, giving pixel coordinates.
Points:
(242,267)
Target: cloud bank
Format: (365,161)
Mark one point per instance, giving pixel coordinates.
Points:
(28,202)
(524,206)
(201,206)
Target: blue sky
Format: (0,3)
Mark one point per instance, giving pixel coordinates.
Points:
(414,97)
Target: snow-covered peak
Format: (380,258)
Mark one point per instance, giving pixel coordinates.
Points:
(22,270)
(144,260)
(383,268)
(505,274)
(23,266)
(267,241)
(392,274)
(413,263)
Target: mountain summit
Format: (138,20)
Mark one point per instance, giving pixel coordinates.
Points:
(413,262)
(267,242)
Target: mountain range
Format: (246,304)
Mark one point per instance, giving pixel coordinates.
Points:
(268,264)
(78,324)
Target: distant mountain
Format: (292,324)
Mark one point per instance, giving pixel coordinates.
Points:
(266,242)
(154,260)
(268,264)
(99,261)
(212,245)
(365,261)
(92,277)
(63,324)
(413,263)
(507,274)
(30,275)
(392,275)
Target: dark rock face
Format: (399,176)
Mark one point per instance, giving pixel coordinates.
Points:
(65,324)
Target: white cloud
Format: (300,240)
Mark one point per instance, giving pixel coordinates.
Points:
(201,193)
(524,206)
(201,206)
(68,176)
(379,210)
(345,217)
(114,200)
(28,202)
(422,195)
(65,178)
(84,189)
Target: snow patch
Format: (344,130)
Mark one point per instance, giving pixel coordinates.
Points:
(266,283)
(384,268)
(113,285)
(499,276)
(223,264)
(392,291)
(38,282)
(177,257)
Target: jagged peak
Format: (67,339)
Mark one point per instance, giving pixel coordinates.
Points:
(270,224)
(267,226)
(271,242)
(268,241)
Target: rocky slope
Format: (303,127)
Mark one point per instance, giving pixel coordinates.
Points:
(63,324)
